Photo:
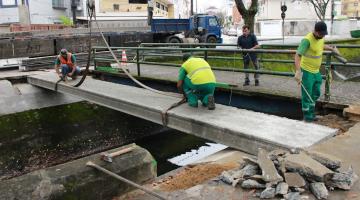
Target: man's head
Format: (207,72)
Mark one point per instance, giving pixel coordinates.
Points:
(186,57)
(246,30)
(320,30)
(63,52)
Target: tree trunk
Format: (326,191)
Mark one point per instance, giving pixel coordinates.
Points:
(248,14)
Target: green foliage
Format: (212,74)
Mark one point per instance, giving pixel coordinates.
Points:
(66,20)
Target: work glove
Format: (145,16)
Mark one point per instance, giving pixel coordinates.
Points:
(298,76)
(336,51)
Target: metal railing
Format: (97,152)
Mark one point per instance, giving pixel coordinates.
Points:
(158,50)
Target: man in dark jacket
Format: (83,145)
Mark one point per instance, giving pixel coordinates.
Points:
(248,41)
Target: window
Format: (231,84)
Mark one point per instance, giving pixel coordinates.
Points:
(138,1)
(60,4)
(213,22)
(162,7)
(158,5)
(8,3)
(166,9)
(356,3)
(116,7)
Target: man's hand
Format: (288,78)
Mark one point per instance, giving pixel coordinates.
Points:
(70,74)
(298,76)
(335,50)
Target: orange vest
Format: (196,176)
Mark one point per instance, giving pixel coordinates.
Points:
(68,61)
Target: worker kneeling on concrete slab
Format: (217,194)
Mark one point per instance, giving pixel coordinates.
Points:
(67,62)
(197,82)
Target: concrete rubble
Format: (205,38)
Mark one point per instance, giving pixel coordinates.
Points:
(289,174)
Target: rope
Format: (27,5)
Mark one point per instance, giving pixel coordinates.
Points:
(128,74)
(91,14)
(164,113)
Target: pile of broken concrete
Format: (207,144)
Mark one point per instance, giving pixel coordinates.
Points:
(290,174)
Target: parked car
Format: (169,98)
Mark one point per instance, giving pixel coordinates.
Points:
(232,32)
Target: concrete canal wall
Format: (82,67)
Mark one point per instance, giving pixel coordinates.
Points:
(74,180)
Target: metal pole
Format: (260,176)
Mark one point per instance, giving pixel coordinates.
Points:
(73,9)
(327,75)
(137,61)
(191,7)
(332,16)
(112,174)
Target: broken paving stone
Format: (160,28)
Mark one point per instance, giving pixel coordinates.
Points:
(294,180)
(293,196)
(311,169)
(233,177)
(251,184)
(319,190)
(342,180)
(282,188)
(301,190)
(268,169)
(329,161)
(277,153)
(268,193)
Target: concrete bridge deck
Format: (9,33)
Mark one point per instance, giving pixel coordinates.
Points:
(342,93)
(242,129)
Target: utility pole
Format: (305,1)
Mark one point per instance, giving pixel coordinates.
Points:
(332,16)
(73,9)
(191,7)
(283,9)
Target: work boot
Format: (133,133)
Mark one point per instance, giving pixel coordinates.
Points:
(247,82)
(211,103)
(257,83)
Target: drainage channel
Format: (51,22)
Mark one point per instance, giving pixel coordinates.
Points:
(45,137)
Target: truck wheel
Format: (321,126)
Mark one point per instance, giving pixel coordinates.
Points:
(211,39)
(173,40)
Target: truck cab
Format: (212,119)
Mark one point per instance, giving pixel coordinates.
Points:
(206,27)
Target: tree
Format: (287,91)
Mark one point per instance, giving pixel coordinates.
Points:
(320,7)
(221,16)
(248,14)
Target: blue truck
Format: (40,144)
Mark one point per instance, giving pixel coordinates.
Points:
(200,28)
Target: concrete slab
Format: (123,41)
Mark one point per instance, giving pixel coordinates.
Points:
(238,128)
(6,89)
(29,97)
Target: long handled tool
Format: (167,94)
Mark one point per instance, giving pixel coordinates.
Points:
(112,174)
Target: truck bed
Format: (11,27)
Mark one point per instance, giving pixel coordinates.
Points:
(169,25)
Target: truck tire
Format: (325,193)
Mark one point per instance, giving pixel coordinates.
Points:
(173,40)
(211,39)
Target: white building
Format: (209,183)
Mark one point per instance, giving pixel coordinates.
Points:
(181,8)
(296,10)
(39,11)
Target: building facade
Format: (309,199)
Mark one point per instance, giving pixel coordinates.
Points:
(37,11)
(162,8)
(350,8)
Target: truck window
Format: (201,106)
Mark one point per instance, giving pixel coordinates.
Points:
(213,22)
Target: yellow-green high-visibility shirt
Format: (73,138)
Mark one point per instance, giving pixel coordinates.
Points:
(198,71)
(311,50)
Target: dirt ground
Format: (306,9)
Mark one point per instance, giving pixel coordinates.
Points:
(192,175)
(335,121)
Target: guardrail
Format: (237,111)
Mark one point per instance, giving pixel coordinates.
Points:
(157,49)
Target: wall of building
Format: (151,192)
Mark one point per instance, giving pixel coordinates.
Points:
(161,7)
(270,9)
(41,12)
(351,8)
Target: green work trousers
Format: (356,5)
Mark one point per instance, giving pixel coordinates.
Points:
(197,92)
(312,83)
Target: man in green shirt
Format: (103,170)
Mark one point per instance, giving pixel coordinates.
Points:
(197,82)
(308,60)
